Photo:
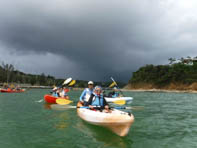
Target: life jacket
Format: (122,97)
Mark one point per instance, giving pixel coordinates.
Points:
(96,100)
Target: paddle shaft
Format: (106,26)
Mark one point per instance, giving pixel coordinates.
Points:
(95,107)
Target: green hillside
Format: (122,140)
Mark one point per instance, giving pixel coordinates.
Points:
(182,72)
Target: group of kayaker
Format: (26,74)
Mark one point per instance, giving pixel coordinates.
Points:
(93,96)
(60,92)
(11,87)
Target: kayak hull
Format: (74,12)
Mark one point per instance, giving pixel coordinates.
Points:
(11,91)
(52,99)
(118,121)
(127,99)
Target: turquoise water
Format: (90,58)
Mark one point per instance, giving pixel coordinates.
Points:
(169,120)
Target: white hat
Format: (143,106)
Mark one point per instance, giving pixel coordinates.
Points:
(55,88)
(115,88)
(90,82)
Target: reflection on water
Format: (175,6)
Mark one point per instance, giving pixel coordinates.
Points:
(47,106)
(61,118)
(62,121)
(101,134)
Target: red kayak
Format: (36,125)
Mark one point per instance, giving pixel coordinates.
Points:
(50,99)
(11,90)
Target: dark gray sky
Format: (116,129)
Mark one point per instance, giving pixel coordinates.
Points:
(95,39)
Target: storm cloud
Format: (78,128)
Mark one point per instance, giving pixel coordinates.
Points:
(95,39)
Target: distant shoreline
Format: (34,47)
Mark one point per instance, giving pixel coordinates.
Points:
(159,90)
(124,89)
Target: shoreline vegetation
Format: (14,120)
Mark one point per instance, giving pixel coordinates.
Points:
(178,76)
(142,89)
(9,75)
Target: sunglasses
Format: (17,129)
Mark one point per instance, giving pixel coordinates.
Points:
(98,90)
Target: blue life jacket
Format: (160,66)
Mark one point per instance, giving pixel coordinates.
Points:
(54,94)
(97,100)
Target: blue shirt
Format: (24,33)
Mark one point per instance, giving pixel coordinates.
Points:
(86,95)
(54,94)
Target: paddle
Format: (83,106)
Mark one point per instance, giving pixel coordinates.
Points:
(119,102)
(56,106)
(39,101)
(117,86)
(67,81)
(63,101)
(72,83)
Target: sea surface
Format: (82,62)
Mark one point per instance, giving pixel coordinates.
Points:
(168,120)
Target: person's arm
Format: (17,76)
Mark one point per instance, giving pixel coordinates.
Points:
(82,96)
(106,105)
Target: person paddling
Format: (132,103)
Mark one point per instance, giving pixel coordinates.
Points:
(86,93)
(63,93)
(114,93)
(97,99)
(55,92)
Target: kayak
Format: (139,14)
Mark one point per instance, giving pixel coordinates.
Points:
(12,90)
(117,121)
(127,99)
(52,99)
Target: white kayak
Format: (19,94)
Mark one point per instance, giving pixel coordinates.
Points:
(127,99)
(117,121)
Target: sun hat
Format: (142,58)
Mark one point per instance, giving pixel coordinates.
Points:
(90,83)
(55,88)
(115,88)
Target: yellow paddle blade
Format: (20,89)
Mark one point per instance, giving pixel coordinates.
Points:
(63,101)
(120,102)
(12,86)
(112,85)
(72,82)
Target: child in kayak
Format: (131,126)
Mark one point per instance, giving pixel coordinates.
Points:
(86,93)
(97,99)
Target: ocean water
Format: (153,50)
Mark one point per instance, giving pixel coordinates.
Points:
(168,120)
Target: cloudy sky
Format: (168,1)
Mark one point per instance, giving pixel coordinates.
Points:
(95,39)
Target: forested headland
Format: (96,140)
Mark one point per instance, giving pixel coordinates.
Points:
(179,74)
